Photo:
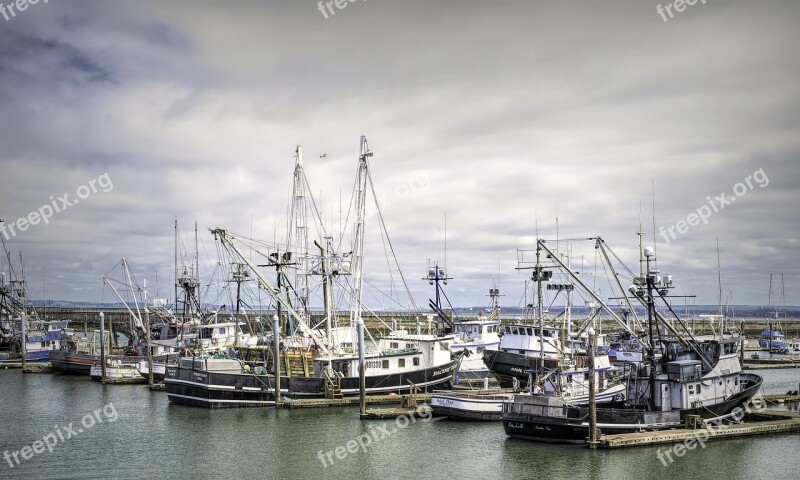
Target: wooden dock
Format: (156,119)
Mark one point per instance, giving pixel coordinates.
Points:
(783,397)
(351,401)
(765,423)
(38,368)
(422,411)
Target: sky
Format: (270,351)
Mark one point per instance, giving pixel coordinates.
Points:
(490,123)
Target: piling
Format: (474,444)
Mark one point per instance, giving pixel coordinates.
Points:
(592,396)
(24,327)
(361,368)
(276,343)
(149,349)
(103,348)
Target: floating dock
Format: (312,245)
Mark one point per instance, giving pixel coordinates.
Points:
(422,411)
(38,368)
(352,401)
(764,423)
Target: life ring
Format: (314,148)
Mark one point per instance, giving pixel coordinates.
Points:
(214,339)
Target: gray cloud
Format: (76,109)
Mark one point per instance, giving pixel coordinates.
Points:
(514,113)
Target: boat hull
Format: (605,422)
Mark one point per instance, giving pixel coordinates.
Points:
(573,426)
(201,388)
(469,406)
(508,366)
(72,363)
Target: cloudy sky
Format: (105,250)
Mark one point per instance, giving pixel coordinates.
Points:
(498,116)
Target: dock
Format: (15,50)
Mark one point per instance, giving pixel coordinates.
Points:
(38,368)
(422,411)
(351,401)
(764,423)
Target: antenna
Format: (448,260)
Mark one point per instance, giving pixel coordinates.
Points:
(445,242)
(655,250)
(719,278)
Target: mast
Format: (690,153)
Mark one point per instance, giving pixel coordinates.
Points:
(326,294)
(225,238)
(357,263)
(649,252)
(298,236)
(540,310)
(176,274)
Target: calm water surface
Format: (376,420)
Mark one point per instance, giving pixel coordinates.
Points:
(153,439)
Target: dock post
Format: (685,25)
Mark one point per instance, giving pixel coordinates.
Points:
(744,341)
(361,368)
(276,361)
(102,347)
(149,349)
(592,397)
(23,324)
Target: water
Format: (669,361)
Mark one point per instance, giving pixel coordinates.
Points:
(153,439)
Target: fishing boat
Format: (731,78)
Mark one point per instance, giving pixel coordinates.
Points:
(473,405)
(43,337)
(682,375)
(328,361)
(472,337)
(773,341)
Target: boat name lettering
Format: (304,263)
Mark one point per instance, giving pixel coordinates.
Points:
(444,370)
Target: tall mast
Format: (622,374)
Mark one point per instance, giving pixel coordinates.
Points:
(540,309)
(197,268)
(649,252)
(298,236)
(357,263)
(176,268)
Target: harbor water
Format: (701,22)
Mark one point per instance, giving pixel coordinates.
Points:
(76,428)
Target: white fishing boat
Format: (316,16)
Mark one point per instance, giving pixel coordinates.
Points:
(682,375)
(396,364)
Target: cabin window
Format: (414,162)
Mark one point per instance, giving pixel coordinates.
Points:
(514,330)
(385,364)
(586,376)
(529,331)
(479,350)
(401,362)
(691,389)
(416,361)
(569,378)
(522,352)
(698,388)
(394,345)
(409,345)
(736,381)
(222,331)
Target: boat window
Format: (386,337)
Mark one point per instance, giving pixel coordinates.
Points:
(514,330)
(522,352)
(394,345)
(586,376)
(569,378)
(222,331)
(528,331)
(479,350)
(698,388)
(416,361)
(409,345)
(691,389)
(385,364)
(401,362)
